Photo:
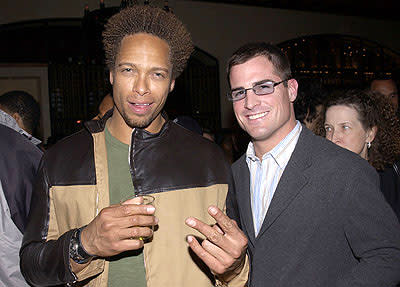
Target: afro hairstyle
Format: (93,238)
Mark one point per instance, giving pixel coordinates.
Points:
(151,20)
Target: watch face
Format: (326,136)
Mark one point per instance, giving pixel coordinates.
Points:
(76,252)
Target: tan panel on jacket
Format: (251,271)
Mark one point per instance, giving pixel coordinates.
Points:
(71,207)
(75,206)
(167,257)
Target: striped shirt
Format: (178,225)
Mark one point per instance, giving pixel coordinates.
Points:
(265,174)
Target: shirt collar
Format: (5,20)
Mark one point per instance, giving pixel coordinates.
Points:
(9,121)
(282,151)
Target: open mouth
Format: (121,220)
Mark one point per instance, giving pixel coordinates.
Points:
(140,104)
(257,116)
(140,108)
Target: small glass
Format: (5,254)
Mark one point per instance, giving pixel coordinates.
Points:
(147,200)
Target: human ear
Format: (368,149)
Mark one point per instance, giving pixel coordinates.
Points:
(172,85)
(19,120)
(292,87)
(371,133)
(111,78)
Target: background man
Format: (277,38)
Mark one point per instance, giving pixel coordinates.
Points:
(106,104)
(312,211)
(386,87)
(21,112)
(79,231)
(19,161)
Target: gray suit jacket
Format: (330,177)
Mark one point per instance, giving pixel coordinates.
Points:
(328,224)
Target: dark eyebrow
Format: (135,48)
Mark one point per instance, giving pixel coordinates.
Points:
(254,84)
(152,69)
(125,64)
(159,69)
(237,89)
(263,81)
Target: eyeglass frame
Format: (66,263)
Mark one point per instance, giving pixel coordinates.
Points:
(229,94)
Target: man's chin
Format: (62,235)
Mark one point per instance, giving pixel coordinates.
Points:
(138,124)
(141,122)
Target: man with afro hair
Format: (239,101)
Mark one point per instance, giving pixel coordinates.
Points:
(88,225)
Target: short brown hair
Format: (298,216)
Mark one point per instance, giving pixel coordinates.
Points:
(151,20)
(373,110)
(273,53)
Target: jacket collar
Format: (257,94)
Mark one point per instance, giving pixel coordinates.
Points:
(142,134)
(292,182)
(9,121)
(96,126)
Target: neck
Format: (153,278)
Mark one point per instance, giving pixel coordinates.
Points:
(364,153)
(119,129)
(262,147)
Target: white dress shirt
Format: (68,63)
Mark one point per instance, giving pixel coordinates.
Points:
(265,174)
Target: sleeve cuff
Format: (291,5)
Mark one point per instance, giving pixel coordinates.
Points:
(240,280)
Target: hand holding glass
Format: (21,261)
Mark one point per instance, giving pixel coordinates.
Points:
(142,199)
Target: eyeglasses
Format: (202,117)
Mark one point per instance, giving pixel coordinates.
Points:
(260,89)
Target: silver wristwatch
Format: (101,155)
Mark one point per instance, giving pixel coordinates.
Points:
(76,250)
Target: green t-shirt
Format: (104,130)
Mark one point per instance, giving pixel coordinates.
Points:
(126,269)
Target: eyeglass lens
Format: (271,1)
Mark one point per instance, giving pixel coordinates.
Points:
(259,89)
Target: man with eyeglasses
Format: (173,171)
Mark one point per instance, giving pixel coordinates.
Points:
(312,211)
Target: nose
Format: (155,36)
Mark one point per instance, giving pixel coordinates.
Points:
(336,137)
(141,86)
(251,99)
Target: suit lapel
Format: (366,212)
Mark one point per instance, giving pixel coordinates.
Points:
(243,196)
(292,181)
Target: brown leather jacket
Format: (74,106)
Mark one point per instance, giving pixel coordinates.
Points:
(183,171)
